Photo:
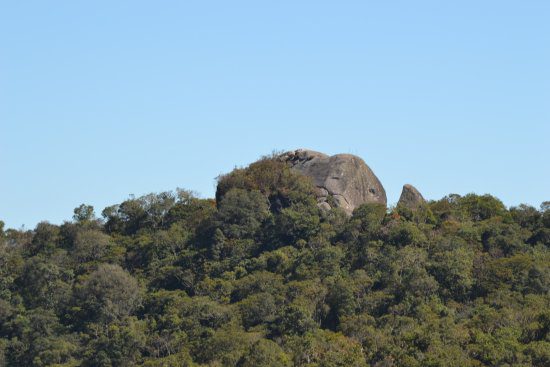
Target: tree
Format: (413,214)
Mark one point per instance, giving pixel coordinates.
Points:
(84,213)
(453,266)
(274,179)
(241,213)
(368,218)
(119,344)
(324,348)
(2,235)
(479,208)
(90,245)
(225,347)
(108,294)
(265,353)
(45,239)
(44,283)
(257,309)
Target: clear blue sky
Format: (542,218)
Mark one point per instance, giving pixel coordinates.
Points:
(102,99)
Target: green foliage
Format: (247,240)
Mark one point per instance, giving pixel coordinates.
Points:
(324,348)
(44,283)
(265,353)
(84,213)
(90,245)
(262,277)
(108,294)
(368,218)
(452,266)
(118,344)
(45,239)
(274,179)
(257,309)
(241,213)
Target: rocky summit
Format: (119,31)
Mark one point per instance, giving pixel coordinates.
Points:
(410,197)
(343,180)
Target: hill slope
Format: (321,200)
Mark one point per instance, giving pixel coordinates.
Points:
(262,276)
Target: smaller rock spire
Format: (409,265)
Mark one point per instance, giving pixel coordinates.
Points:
(410,197)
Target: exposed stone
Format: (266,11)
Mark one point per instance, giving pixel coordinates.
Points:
(410,197)
(345,178)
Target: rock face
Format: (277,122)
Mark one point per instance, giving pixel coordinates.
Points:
(410,197)
(343,180)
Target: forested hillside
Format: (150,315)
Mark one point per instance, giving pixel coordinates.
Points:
(262,277)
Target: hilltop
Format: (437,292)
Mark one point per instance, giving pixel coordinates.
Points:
(298,261)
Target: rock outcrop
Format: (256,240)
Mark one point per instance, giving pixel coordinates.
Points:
(410,197)
(343,180)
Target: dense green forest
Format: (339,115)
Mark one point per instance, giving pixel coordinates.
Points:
(261,276)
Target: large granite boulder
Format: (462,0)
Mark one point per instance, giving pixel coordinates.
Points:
(410,197)
(343,180)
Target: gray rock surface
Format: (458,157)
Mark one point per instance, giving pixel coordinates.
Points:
(410,197)
(343,180)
